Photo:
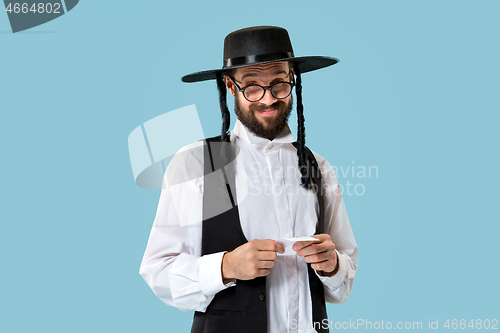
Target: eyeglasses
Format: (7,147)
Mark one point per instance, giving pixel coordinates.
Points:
(254,92)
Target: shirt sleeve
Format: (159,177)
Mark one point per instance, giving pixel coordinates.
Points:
(172,264)
(339,286)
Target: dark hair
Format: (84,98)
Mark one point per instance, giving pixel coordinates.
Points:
(301,133)
(226,117)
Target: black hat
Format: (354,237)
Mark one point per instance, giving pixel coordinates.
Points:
(260,45)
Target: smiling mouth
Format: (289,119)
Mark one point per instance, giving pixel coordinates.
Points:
(268,112)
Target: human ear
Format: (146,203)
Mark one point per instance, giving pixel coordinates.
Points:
(229,84)
(292,75)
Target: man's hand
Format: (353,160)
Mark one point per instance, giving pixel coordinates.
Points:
(250,260)
(321,256)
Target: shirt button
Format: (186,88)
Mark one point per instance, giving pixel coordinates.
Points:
(270,145)
(262,297)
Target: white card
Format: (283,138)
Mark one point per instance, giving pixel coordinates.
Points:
(288,243)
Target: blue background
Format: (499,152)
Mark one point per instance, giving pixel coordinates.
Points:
(415,94)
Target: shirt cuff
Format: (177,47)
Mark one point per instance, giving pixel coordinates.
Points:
(335,281)
(209,267)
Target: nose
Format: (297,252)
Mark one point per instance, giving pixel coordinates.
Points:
(268,97)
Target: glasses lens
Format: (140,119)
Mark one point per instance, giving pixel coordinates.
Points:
(281,90)
(254,93)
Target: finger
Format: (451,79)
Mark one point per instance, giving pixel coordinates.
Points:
(322,237)
(317,257)
(266,255)
(312,249)
(302,244)
(270,245)
(266,264)
(264,271)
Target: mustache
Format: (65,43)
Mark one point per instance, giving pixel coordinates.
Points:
(279,105)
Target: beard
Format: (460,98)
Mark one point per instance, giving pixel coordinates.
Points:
(273,125)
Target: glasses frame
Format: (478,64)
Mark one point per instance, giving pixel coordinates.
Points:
(264,88)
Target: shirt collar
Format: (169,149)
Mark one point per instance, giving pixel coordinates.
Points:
(263,144)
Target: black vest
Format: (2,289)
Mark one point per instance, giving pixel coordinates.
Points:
(242,308)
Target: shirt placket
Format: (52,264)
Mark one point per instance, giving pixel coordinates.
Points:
(286,231)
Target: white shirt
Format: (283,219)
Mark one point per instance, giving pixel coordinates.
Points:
(272,205)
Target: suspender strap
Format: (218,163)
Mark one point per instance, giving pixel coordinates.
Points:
(217,155)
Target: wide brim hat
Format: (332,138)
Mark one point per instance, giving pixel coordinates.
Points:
(260,45)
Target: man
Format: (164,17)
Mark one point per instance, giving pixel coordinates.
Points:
(226,201)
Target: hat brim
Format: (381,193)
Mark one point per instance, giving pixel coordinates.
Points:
(304,64)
